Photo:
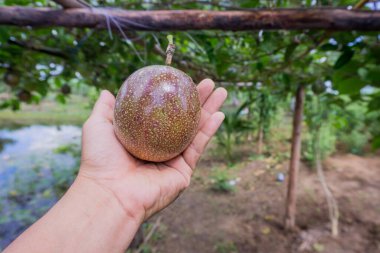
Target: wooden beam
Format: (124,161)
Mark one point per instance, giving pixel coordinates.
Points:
(181,20)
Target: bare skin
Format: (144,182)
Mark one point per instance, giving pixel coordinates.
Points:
(115,192)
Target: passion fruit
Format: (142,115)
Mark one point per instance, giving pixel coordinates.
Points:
(24,95)
(157,113)
(65,89)
(11,78)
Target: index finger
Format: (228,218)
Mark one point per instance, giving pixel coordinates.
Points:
(205,88)
(204,135)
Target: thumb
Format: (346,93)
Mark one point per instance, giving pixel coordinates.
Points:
(99,123)
(97,133)
(103,109)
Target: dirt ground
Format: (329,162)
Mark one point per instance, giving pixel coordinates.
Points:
(250,218)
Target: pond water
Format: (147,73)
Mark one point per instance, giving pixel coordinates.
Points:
(37,164)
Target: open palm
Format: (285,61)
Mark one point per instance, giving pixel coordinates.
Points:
(143,188)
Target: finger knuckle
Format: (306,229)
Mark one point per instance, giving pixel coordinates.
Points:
(187,182)
(87,124)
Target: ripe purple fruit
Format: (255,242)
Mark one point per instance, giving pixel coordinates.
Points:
(65,89)
(11,78)
(157,113)
(24,95)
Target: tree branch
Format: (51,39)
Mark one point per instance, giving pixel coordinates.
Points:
(326,35)
(41,49)
(70,4)
(361,4)
(181,20)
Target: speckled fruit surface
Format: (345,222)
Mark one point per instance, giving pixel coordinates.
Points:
(157,113)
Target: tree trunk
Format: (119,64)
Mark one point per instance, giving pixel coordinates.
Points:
(290,215)
(229,147)
(181,20)
(260,138)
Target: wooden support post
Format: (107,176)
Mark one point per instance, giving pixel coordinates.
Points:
(290,215)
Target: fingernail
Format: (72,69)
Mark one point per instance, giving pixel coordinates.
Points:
(102,92)
(220,116)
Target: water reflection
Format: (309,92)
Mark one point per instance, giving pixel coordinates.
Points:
(4,141)
(37,164)
(36,139)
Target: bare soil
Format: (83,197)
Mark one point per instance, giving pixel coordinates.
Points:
(250,218)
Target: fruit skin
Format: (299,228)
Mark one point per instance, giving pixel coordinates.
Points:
(24,95)
(65,89)
(318,88)
(11,78)
(157,113)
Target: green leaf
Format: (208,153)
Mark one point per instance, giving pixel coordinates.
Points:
(328,47)
(61,98)
(349,86)
(289,51)
(4,34)
(344,58)
(373,76)
(259,66)
(347,80)
(376,142)
(210,51)
(16,2)
(269,43)
(374,103)
(15,104)
(286,78)
(374,54)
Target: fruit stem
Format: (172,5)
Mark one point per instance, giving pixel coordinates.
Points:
(170,50)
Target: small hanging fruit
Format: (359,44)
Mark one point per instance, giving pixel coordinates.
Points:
(157,111)
(24,95)
(65,89)
(11,78)
(318,87)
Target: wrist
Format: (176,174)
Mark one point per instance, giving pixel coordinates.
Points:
(103,216)
(86,219)
(106,198)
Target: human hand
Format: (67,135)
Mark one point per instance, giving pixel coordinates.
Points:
(143,188)
(115,192)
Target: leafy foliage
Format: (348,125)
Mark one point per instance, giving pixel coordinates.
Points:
(360,127)
(266,66)
(233,128)
(319,117)
(85,57)
(265,105)
(225,247)
(221,181)
(261,69)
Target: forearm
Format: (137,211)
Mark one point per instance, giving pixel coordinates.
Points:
(87,219)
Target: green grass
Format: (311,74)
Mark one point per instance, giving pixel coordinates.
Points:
(225,247)
(48,112)
(220,181)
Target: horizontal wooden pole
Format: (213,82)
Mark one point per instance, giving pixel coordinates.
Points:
(181,20)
